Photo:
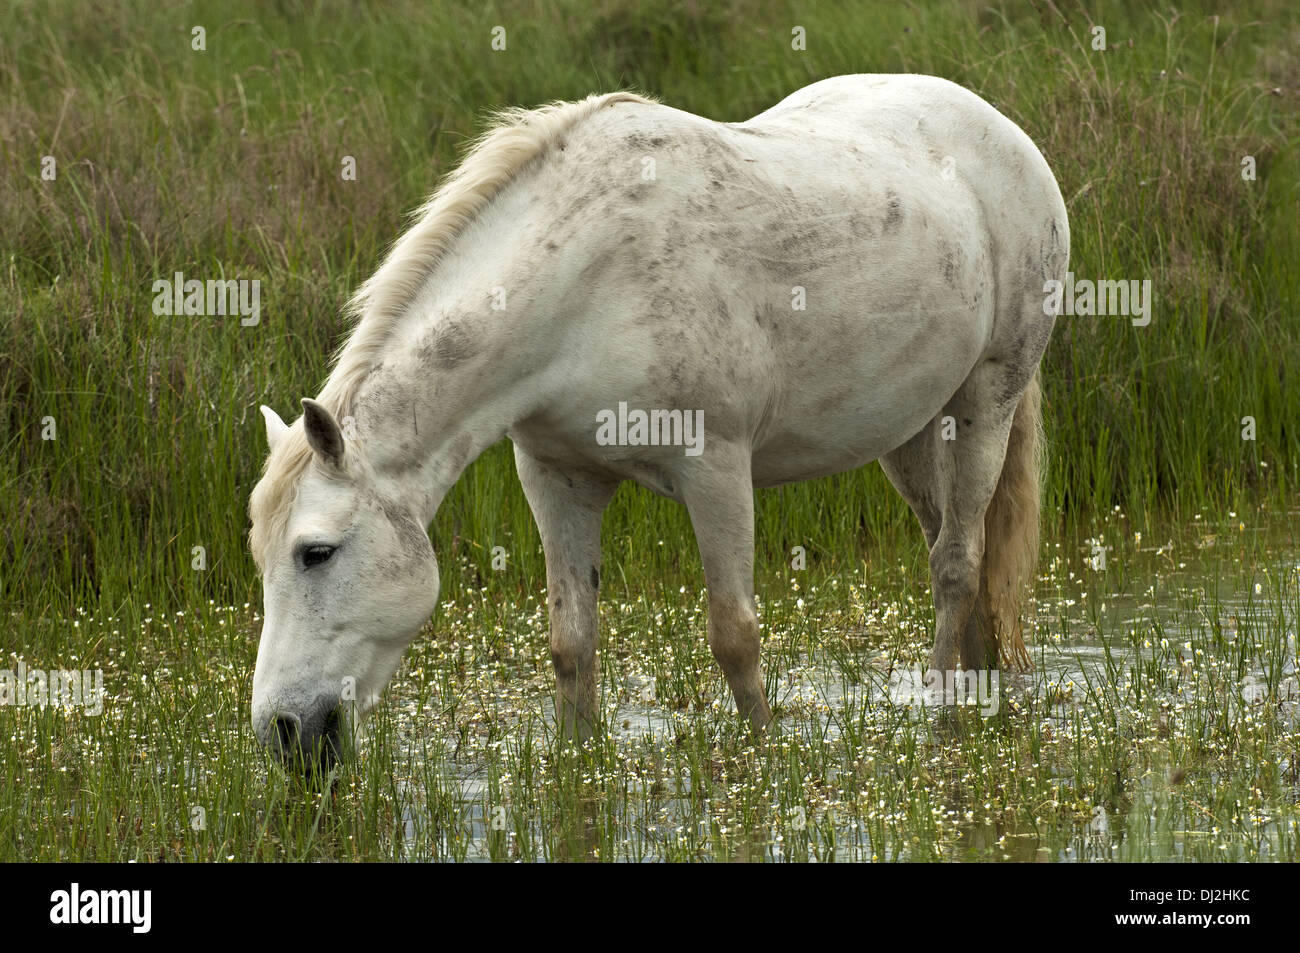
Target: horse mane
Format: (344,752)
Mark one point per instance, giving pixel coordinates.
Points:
(513,140)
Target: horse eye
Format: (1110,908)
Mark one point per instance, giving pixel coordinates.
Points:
(315,555)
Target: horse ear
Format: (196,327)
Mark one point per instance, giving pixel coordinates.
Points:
(322,430)
(275,427)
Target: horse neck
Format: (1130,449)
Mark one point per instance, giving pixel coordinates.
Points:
(450,387)
(459,370)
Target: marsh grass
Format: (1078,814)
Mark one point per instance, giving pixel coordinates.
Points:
(1164,695)
(226,164)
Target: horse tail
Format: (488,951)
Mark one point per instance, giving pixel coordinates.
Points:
(1011,531)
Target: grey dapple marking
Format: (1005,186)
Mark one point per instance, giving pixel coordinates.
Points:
(922,226)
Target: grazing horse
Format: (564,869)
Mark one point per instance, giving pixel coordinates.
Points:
(632,292)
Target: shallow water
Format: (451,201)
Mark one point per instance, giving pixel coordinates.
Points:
(1161,639)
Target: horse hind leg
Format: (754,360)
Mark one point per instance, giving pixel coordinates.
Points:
(914,471)
(910,469)
(976,498)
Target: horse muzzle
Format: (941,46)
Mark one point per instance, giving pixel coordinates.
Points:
(306,738)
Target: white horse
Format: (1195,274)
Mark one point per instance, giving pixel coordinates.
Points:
(855,274)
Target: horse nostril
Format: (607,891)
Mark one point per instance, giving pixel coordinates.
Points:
(333,726)
(331,739)
(312,741)
(284,734)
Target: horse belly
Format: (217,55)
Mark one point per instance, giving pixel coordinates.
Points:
(833,413)
(888,335)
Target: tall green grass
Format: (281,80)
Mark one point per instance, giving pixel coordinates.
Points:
(226,163)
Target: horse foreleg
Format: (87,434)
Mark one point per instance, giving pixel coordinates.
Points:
(568,509)
(720,500)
